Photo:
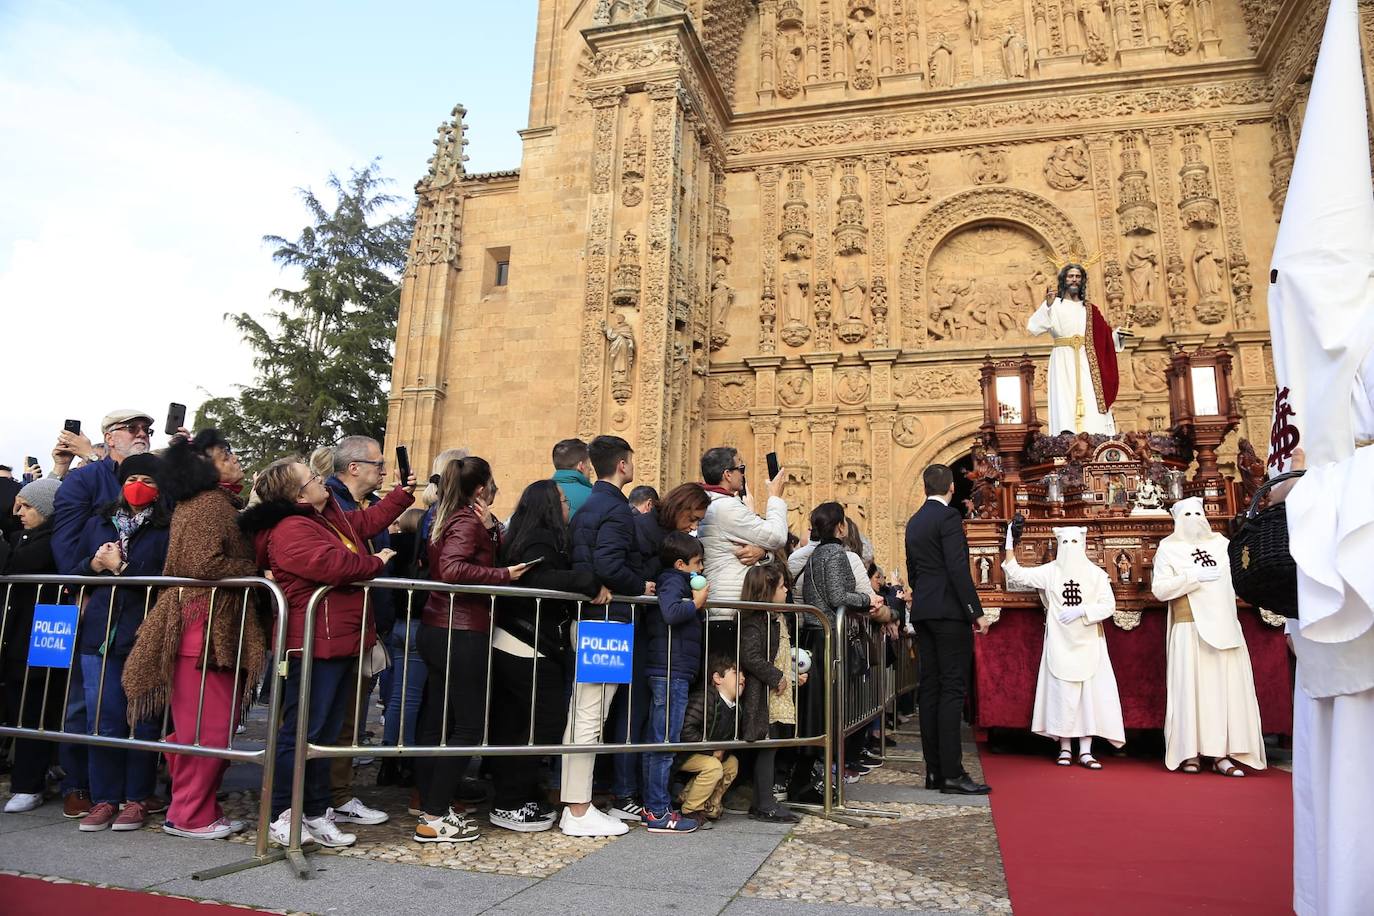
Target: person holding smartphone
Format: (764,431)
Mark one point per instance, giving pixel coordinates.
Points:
(454,635)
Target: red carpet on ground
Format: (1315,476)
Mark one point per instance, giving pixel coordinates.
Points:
(1133,838)
(36,897)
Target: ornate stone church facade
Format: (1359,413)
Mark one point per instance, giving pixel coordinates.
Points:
(802,225)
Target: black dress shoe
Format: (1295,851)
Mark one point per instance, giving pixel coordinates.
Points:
(964,785)
(933,782)
(774,816)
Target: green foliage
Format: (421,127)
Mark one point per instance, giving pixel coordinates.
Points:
(323,360)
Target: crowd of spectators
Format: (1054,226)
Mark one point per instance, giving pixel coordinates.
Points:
(453,669)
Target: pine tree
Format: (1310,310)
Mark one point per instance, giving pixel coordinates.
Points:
(323,360)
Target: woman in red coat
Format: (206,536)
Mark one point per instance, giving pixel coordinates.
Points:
(454,635)
(305,539)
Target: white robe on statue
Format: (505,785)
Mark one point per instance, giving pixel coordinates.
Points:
(1070,375)
(1075,691)
(1212,710)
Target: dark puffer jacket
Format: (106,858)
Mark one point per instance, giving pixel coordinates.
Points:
(146,555)
(676,614)
(554,573)
(605,544)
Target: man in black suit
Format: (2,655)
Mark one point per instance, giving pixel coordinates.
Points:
(946,611)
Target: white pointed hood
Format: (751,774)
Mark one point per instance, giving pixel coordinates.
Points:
(1190,522)
(1321,300)
(1071,549)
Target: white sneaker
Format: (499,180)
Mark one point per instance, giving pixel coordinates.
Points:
(355,812)
(327,833)
(23,801)
(593,823)
(280,831)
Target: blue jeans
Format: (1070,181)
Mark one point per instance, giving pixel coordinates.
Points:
(73,757)
(116,775)
(666,711)
(332,686)
(413,679)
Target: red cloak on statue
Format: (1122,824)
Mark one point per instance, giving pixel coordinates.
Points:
(1102,359)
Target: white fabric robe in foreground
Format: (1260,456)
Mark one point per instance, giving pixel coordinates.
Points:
(1212,710)
(1075,691)
(1065,318)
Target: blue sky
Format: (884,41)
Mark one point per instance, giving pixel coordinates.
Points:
(146,147)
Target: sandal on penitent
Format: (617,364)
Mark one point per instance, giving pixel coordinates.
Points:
(1189,766)
(1226,767)
(1065,758)
(1089,761)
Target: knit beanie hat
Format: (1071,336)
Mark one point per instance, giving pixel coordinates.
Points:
(147,464)
(41,494)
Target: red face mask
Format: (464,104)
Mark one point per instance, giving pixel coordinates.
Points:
(139,494)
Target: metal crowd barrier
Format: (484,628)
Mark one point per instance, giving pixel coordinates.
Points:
(586,611)
(901,679)
(861,687)
(74,590)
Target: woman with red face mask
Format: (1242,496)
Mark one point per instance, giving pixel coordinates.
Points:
(126,538)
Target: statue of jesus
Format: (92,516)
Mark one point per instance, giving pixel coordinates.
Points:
(1083,374)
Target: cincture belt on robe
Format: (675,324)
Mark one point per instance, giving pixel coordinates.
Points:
(1183,610)
(1076,342)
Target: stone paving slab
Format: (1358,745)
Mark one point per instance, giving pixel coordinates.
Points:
(340,885)
(135,859)
(891,792)
(715,861)
(758,906)
(567,898)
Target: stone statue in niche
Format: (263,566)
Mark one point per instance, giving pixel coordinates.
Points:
(861,48)
(942,63)
(1142,265)
(796,285)
(987,166)
(1180,29)
(791,63)
(853,292)
(973,19)
(1208,269)
(1067,167)
(1015,56)
(622,355)
(1097,31)
(722,298)
(908,182)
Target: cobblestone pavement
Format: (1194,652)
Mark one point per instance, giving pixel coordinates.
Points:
(939,853)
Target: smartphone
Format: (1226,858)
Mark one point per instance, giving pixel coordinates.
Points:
(772,459)
(29,462)
(176,418)
(535,562)
(403,463)
(72,426)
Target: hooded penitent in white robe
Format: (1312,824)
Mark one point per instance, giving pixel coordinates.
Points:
(1321,316)
(1075,691)
(1212,709)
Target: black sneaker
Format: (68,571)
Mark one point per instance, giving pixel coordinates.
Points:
(871,761)
(627,809)
(524,819)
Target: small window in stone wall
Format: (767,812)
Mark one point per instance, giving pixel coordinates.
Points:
(496,271)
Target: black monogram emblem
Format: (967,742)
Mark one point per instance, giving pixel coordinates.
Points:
(1203,558)
(1073,594)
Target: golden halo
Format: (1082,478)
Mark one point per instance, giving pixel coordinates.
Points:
(1075,257)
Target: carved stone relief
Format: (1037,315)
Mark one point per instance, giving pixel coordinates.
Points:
(632,164)
(852,288)
(794,389)
(1197,205)
(908,431)
(796,220)
(861,33)
(730,392)
(937,382)
(851,235)
(627,271)
(851,386)
(796,291)
(621,356)
(1137,209)
(986,166)
(1013,270)
(908,181)
(1066,169)
(1209,272)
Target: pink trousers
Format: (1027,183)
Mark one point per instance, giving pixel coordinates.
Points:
(196,780)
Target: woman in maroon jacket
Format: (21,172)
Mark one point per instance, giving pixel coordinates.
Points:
(454,635)
(305,539)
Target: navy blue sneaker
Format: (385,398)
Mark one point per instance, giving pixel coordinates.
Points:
(672,822)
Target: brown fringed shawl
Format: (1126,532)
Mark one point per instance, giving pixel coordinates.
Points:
(205,544)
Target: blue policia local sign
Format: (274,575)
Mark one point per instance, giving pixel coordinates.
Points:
(54,636)
(605,652)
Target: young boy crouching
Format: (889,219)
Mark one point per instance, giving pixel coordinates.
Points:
(710,717)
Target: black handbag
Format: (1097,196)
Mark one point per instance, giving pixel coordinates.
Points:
(1262,569)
